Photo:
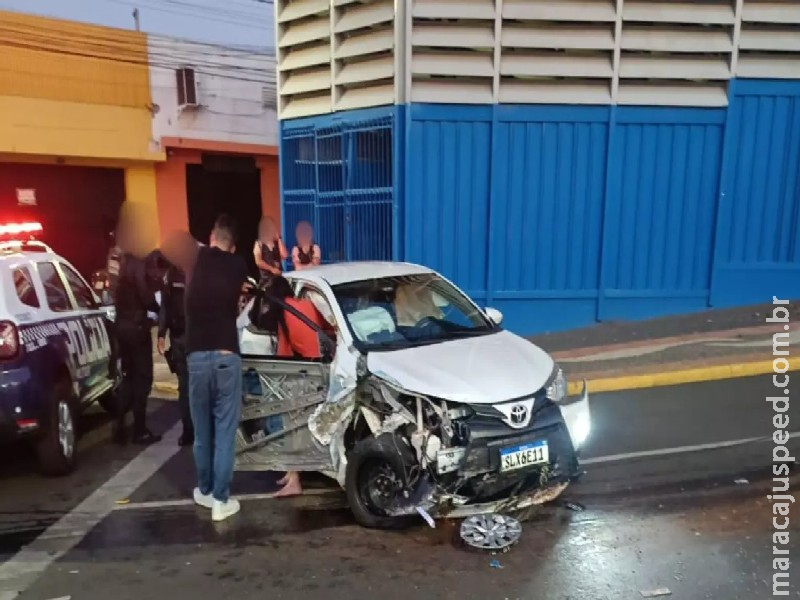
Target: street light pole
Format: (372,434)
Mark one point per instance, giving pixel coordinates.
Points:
(136,18)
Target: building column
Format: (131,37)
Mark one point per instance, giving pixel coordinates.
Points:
(141,202)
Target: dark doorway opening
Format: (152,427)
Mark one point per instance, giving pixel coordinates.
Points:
(225,184)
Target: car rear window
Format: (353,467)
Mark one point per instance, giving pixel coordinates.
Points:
(26,292)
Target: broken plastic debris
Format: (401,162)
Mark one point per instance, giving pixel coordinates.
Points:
(74,572)
(659,593)
(742,481)
(124,501)
(574,506)
(62,598)
(495,564)
(428,519)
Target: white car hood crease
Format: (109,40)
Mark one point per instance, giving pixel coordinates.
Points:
(477,370)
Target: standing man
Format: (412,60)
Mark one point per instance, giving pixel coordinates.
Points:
(172,320)
(216,277)
(134,298)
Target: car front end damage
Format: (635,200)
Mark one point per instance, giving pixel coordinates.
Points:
(458,459)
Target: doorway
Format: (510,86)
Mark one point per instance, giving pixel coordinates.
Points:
(225,184)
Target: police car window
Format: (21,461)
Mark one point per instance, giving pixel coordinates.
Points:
(83,295)
(26,292)
(57,298)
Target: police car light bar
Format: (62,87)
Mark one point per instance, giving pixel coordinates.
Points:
(11,229)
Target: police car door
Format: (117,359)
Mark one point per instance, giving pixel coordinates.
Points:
(86,335)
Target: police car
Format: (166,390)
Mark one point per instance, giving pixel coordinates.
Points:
(55,348)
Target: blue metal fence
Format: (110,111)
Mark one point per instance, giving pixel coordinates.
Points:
(338,172)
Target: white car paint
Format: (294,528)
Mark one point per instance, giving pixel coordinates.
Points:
(487,369)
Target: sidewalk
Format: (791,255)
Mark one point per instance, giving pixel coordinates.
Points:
(706,346)
(718,344)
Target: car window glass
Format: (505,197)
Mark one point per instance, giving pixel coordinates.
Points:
(26,292)
(83,295)
(56,293)
(320,303)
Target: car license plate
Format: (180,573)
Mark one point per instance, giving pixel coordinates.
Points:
(525,455)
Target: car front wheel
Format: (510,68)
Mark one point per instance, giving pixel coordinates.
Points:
(58,447)
(377,469)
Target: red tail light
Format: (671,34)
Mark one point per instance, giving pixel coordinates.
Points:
(9,340)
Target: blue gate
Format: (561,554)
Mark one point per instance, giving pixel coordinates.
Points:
(338,173)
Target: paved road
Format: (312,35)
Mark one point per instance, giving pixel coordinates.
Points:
(656,516)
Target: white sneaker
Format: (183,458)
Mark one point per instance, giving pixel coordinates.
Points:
(223,510)
(204,500)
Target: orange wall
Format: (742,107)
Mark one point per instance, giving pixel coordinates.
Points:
(173,212)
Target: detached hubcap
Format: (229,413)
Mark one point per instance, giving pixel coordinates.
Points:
(66,430)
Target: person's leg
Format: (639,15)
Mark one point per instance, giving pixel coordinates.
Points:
(144,384)
(179,352)
(125,347)
(200,403)
(291,485)
(227,373)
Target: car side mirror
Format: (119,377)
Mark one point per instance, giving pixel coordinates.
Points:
(495,316)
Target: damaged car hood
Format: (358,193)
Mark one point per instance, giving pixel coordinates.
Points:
(478,370)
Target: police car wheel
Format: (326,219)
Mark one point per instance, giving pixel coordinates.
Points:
(57,449)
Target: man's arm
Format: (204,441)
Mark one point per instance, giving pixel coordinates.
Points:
(296,259)
(317,258)
(163,324)
(282,248)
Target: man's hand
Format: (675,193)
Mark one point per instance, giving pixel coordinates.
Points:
(162,346)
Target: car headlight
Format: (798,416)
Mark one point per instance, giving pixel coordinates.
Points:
(556,389)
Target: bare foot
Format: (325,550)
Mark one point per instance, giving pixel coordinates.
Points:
(284,480)
(292,487)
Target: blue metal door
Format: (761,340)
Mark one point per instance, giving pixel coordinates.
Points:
(339,176)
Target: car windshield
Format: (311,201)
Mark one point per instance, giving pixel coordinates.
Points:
(400,312)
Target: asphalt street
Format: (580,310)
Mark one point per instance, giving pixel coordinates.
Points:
(674,497)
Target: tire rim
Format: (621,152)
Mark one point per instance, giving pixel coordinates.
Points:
(66,430)
(380,488)
(491,532)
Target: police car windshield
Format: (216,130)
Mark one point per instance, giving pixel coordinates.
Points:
(400,312)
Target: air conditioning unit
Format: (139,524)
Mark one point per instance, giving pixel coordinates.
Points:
(187,88)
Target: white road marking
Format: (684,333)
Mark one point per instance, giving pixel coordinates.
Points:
(24,568)
(156,504)
(679,449)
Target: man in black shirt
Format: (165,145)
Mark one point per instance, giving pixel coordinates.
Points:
(172,320)
(134,298)
(216,277)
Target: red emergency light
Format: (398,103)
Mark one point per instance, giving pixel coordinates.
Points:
(17,229)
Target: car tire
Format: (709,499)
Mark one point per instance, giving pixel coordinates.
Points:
(388,450)
(57,449)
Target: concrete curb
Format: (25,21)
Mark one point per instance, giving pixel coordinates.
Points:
(666,378)
(166,387)
(630,382)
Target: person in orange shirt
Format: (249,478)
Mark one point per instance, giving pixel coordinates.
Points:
(295,340)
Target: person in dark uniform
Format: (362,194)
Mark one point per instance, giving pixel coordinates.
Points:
(134,299)
(269,251)
(306,253)
(172,321)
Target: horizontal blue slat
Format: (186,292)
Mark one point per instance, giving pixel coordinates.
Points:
(670,115)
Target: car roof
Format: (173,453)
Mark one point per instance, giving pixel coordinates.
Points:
(339,273)
(8,255)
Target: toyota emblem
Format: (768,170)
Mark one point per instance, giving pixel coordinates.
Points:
(519,414)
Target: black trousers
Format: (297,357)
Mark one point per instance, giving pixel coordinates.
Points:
(177,347)
(135,346)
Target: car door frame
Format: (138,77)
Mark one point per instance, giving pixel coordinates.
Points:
(96,382)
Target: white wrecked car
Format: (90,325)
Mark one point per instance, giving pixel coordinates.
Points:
(422,401)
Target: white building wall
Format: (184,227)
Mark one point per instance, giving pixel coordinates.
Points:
(236,92)
(337,54)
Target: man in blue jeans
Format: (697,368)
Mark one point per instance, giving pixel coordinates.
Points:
(216,280)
